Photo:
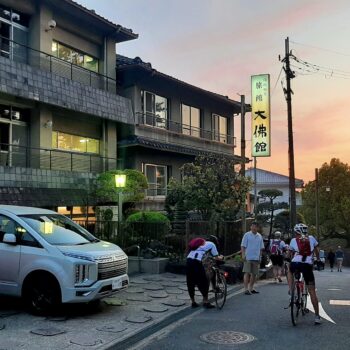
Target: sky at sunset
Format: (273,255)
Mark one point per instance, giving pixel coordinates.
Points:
(218,44)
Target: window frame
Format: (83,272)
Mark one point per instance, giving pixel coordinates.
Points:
(194,131)
(217,135)
(156,189)
(57,132)
(153,115)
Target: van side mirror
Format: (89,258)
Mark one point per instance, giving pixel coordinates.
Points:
(9,238)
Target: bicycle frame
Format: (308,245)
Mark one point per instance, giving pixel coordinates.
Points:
(298,297)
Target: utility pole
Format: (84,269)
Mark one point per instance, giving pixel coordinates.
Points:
(288,95)
(243,146)
(317,205)
(255,192)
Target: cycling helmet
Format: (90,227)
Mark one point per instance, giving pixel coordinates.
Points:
(300,229)
(213,239)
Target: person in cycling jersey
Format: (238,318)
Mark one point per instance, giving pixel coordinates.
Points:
(195,271)
(303,247)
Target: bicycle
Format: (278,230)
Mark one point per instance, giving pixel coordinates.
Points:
(220,286)
(298,299)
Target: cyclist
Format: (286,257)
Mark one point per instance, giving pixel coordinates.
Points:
(195,272)
(303,247)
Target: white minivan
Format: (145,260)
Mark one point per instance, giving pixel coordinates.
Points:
(48,259)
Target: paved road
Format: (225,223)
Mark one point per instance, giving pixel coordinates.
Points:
(263,316)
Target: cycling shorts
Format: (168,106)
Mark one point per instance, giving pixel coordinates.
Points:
(306,270)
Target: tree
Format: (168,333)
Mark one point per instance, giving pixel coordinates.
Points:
(334,203)
(270,206)
(282,219)
(134,190)
(211,187)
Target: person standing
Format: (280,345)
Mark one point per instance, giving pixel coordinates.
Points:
(339,255)
(331,258)
(276,248)
(252,247)
(195,272)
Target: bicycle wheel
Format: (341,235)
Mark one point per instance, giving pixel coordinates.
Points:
(220,290)
(295,303)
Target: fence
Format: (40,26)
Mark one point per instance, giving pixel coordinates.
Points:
(165,239)
(41,158)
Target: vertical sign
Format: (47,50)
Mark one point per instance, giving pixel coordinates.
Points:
(261,134)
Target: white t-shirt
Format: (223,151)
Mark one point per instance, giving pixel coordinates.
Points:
(293,246)
(253,243)
(199,252)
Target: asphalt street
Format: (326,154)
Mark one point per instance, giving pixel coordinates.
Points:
(264,322)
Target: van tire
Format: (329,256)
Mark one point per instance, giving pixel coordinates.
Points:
(42,294)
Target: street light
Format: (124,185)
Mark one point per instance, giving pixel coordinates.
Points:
(120,181)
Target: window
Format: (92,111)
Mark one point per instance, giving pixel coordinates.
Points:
(157,179)
(74,56)
(190,120)
(75,143)
(219,128)
(155,109)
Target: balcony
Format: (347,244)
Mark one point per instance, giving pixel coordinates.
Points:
(38,59)
(52,159)
(179,128)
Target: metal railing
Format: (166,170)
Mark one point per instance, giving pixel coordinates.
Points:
(53,159)
(162,123)
(24,54)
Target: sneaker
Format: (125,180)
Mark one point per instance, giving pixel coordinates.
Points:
(280,280)
(317,320)
(194,305)
(254,291)
(247,292)
(208,306)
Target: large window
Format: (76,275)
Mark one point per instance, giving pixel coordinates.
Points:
(75,143)
(155,109)
(74,56)
(220,128)
(157,179)
(190,120)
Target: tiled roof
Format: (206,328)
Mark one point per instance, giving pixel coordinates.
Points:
(142,141)
(103,19)
(123,62)
(265,177)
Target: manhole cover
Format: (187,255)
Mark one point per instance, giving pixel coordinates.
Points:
(156,308)
(160,294)
(138,319)
(83,341)
(226,337)
(112,329)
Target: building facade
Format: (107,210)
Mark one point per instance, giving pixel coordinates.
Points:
(68,112)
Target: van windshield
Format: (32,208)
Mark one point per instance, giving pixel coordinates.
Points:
(57,229)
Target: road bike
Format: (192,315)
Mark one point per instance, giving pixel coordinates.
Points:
(220,284)
(298,299)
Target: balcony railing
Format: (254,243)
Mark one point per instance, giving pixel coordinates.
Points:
(41,158)
(153,120)
(25,54)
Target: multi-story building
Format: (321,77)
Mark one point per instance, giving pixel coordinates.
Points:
(174,122)
(64,118)
(59,108)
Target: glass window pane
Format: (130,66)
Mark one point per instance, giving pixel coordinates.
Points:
(186,120)
(91,63)
(195,122)
(79,143)
(161,111)
(64,53)
(4,42)
(150,172)
(93,146)
(223,129)
(216,124)
(54,139)
(77,58)
(54,48)
(161,180)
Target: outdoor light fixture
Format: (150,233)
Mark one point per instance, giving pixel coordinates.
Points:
(120,181)
(48,124)
(51,24)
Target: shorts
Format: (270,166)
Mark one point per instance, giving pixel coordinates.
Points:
(251,266)
(277,260)
(306,270)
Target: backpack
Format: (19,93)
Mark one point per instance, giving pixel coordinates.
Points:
(276,247)
(304,247)
(195,243)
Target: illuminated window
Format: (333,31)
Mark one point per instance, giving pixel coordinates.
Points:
(75,143)
(74,56)
(219,125)
(157,179)
(190,120)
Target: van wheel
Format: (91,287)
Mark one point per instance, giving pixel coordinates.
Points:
(42,295)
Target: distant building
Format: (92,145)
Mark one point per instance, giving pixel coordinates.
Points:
(269,180)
